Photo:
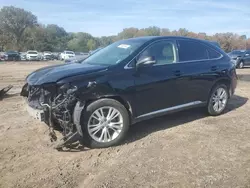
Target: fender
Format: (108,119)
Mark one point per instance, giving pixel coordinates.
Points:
(225,80)
(91,92)
(77,116)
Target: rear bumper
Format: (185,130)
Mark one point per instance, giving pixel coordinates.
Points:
(234,80)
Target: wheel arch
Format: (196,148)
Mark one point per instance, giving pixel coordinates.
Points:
(118,98)
(241,60)
(225,81)
(81,106)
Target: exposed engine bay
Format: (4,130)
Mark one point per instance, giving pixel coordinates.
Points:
(57,105)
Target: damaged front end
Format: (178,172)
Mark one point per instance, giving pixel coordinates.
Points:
(54,104)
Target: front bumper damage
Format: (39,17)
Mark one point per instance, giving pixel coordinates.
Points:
(57,108)
(35,113)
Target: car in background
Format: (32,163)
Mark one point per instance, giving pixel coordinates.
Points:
(130,81)
(23,56)
(54,56)
(79,53)
(2,57)
(57,55)
(76,59)
(94,51)
(32,55)
(47,55)
(82,57)
(12,56)
(240,58)
(66,55)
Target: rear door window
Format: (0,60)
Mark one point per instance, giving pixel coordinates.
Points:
(191,51)
(195,51)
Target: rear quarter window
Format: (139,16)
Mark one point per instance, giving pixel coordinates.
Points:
(213,54)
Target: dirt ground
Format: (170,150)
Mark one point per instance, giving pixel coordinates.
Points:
(187,149)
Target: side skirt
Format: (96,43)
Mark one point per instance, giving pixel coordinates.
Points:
(169,110)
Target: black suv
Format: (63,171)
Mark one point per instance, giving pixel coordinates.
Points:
(240,57)
(130,81)
(12,56)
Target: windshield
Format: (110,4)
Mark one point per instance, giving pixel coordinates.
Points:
(69,52)
(31,52)
(11,52)
(216,44)
(96,50)
(114,53)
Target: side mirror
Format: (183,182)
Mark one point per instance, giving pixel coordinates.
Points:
(246,54)
(146,61)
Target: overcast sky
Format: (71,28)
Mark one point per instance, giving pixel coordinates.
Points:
(108,17)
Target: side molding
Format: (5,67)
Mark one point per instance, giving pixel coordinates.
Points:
(165,110)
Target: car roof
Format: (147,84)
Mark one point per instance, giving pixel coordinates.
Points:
(151,38)
(11,51)
(155,38)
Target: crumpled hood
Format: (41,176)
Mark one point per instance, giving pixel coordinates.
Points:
(57,72)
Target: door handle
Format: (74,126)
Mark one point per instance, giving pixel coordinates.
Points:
(213,68)
(177,73)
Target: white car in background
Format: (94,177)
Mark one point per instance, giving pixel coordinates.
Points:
(47,55)
(32,55)
(66,55)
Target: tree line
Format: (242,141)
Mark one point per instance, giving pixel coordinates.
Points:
(20,30)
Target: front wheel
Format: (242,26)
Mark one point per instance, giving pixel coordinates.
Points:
(218,100)
(105,123)
(241,65)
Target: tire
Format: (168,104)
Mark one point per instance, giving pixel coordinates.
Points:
(89,139)
(241,65)
(215,110)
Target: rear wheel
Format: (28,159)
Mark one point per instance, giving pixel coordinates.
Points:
(105,123)
(218,100)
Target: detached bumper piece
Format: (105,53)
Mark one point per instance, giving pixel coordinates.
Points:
(4,91)
(67,140)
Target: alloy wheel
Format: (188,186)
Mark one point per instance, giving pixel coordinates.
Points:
(241,65)
(105,124)
(220,98)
